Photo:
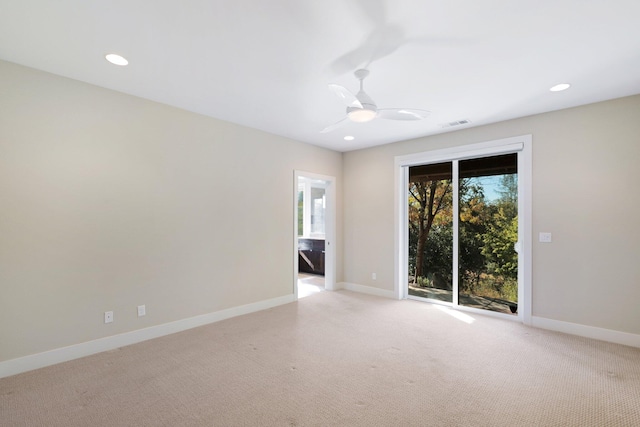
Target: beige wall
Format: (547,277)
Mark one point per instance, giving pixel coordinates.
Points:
(108,201)
(585,163)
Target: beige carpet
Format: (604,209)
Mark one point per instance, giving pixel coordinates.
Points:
(339,359)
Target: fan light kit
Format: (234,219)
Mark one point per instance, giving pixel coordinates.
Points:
(361,115)
(362,109)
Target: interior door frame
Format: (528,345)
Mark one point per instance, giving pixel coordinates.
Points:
(518,144)
(330,229)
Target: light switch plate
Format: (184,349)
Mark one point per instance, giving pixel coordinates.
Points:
(544,237)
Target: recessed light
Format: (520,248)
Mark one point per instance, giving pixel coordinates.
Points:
(349,138)
(560,87)
(116,59)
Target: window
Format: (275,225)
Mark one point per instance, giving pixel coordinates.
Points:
(312,203)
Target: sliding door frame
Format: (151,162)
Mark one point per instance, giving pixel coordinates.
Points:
(518,144)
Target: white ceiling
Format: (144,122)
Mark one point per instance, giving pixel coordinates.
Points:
(266,64)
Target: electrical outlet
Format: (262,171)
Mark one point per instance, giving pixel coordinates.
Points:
(374,276)
(108,316)
(142,310)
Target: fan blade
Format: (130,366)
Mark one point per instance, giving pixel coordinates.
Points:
(382,42)
(402,114)
(335,125)
(345,96)
(374,10)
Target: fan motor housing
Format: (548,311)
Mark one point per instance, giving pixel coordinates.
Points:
(368,110)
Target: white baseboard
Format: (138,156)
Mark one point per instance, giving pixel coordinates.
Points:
(64,354)
(602,334)
(366,290)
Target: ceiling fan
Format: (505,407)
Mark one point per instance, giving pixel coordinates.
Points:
(361,108)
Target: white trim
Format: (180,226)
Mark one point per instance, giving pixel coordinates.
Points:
(521,144)
(455,256)
(330,230)
(525,230)
(401,234)
(296,265)
(609,335)
(64,354)
(481,149)
(369,290)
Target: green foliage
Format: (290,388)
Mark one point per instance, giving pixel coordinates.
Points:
(499,241)
(424,282)
(509,290)
(439,255)
(502,231)
(300,213)
(472,226)
(496,287)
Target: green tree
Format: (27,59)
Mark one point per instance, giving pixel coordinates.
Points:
(502,231)
(474,214)
(426,200)
(499,243)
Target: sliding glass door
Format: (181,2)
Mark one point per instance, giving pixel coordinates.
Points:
(431,231)
(463,232)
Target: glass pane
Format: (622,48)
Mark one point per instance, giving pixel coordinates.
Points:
(318,203)
(431,231)
(488,232)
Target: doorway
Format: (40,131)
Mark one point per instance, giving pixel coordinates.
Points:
(464,236)
(314,231)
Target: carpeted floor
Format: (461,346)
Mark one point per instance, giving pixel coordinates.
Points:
(339,359)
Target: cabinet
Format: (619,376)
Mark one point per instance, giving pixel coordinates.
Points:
(311,256)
